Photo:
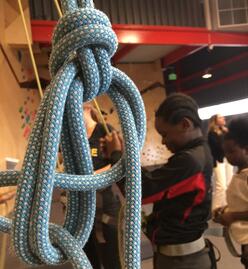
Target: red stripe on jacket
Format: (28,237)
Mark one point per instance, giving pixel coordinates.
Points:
(195,182)
(154,198)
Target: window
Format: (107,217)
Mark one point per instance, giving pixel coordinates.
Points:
(232,12)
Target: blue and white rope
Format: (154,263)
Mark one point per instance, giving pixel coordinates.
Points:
(83,44)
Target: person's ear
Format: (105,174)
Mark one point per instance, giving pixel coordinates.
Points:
(186,124)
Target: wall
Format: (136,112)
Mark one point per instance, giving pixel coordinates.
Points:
(144,75)
(17,106)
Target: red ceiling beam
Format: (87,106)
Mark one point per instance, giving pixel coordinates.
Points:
(173,35)
(121,53)
(179,54)
(213,84)
(42,30)
(225,38)
(226,62)
(154,35)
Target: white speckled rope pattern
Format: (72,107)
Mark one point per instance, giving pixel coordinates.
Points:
(83,43)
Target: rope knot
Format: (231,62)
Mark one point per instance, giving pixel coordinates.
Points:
(83,44)
(85,35)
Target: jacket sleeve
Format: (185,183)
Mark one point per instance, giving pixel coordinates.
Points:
(215,144)
(115,157)
(156,183)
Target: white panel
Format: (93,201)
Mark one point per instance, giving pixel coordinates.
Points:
(147,54)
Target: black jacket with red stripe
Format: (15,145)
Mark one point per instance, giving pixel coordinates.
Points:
(181,193)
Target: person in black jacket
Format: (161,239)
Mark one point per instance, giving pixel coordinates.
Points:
(180,189)
(103,241)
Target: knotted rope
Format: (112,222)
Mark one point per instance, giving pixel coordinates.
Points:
(82,46)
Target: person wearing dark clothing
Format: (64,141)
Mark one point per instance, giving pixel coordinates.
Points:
(181,193)
(108,203)
(215,142)
(180,189)
(98,158)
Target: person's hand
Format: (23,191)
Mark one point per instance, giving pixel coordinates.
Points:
(111,143)
(224,129)
(226,218)
(216,214)
(223,217)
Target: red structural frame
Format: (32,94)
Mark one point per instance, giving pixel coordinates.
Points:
(154,35)
(179,54)
(191,38)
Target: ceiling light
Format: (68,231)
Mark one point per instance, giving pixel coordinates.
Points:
(130,39)
(207,74)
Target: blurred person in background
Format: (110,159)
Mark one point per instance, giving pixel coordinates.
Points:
(223,171)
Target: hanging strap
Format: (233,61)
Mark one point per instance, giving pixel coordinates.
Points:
(229,242)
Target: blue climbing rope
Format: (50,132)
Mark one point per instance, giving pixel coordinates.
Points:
(82,46)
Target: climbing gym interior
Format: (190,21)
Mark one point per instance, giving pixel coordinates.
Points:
(81,82)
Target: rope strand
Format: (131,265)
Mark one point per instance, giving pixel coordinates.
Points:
(82,46)
(94,100)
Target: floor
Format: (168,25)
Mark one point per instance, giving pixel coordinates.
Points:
(227,261)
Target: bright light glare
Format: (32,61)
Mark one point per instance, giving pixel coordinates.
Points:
(132,39)
(207,75)
(225,109)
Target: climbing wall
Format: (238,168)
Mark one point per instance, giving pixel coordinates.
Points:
(17,110)
(154,153)
(17,105)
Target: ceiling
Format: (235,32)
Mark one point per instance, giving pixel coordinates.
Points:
(141,54)
(229,69)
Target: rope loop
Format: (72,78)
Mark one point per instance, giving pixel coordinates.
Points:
(82,46)
(85,34)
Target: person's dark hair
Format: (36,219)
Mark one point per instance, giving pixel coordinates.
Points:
(178,106)
(238,131)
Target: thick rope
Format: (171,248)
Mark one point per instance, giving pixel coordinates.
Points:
(4,241)
(83,44)
(94,100)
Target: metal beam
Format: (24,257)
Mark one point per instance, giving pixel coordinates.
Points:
(213,84)
(179,54)
(42,30)
(154,35)
(173,35)
(121,53)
